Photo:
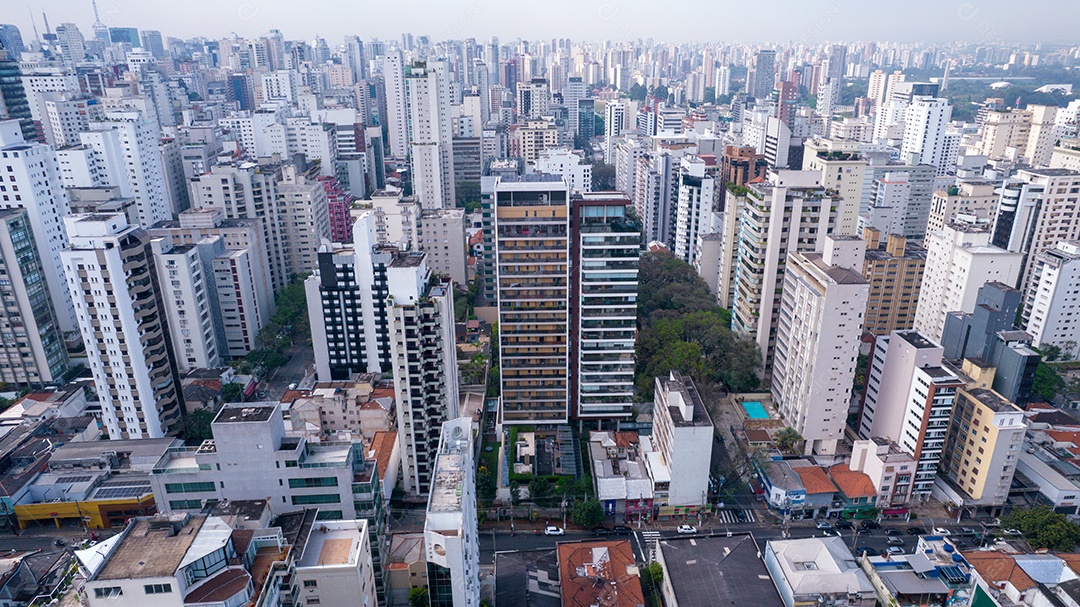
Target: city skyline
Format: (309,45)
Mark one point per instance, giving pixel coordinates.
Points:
(987,21)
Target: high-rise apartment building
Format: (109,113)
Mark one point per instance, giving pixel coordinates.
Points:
(129,143)
(305,218)
(894,268)
(615,124)
(682,432)
(397,119)
(32,181)
(1051,303)
(924,132)
(423,359)
(186,294)
(427,91)
(604,286)
(817,338)
(1004,132)
(1035,213)
(533,99)
(32,351)
(790,213)
(532,276)
(969,200)
(237,268)
(909,400)
(14,104)
(121,313)
(451,546)
(762,74)
(842,169)
(959,260)
(696,204)
(984,442)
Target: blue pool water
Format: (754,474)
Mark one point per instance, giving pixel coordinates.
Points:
(755,410)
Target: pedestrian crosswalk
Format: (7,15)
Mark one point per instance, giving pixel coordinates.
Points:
(650,539)
(730,517)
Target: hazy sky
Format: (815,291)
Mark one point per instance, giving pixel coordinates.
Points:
(668,20)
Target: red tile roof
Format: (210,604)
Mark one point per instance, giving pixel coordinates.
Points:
(599,573)
(851,483)
(383,446)
(815,480)
(996,567)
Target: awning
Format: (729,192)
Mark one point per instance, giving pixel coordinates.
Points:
(894,512)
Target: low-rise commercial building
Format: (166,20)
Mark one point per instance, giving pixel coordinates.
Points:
(818,571)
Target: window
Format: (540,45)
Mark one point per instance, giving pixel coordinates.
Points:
(322,498)
(158,588)
(189,487)
(108,592)
(311,583)
(185,504)
(307,483)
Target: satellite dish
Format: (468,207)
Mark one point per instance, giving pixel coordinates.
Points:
(456,433)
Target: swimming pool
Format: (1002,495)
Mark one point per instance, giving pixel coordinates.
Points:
(755,410)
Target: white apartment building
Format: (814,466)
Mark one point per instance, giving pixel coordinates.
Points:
(67,115)
(393,70)
(186,294)
(122,317)
(975,200)
(626,155)
(423,358)
(924,132)
(682,444)
(889,210)
(574,171)
(136,153)
(790,213)
(427,88)
(615,125)
(33,169)
(1052,299)
(959,260)
(909,400)
(844,169)
(697,200)
(890,468)
(1035,213)
(305,219)
(442,237)
(450,525)
(235,263)
(335,567)
(817,340)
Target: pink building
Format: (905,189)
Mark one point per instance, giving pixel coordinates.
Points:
(339,201)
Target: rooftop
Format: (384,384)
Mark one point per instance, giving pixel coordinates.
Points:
(718,570)
(527,578)
(333,543)
(152,547)
(246,412)
(852,483)
(816,566)
(815,480)
(992,400)
(916,340)
(599,574)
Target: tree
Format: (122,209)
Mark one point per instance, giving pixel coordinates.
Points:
(232,392)
(515,493)
(603,177)
(1047,383)
(485,485)
(1044,528)
(418,597)
(652,575)
(542,492)
(194,427)
(638,92)
(787,439)
(660,93)
(710,94)
(587,513)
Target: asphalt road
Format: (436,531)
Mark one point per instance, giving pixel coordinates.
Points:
(300,365)
(503,541)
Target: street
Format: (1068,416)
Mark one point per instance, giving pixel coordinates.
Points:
(301,365)
(502,541)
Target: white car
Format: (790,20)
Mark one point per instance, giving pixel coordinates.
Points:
(553,530)
(941,531)
(687,529)
(895,550)
(824,525)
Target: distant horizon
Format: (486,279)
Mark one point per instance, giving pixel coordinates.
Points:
(809,22)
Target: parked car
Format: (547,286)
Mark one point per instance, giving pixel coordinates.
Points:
(891,531)
(869,550)
(967,530)
(687,529)
(1012,532)
(895,550)
(601,531)
(864,531)
(994,522)
(942,531)
(869,524)
(915,531)
(621,530)
(823,525)
(895,541)
(844,524)
(829,532)
(553,530)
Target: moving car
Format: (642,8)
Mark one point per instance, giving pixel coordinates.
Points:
(895,550)
(601,531)
(621,530)
(895,541)
(942,531)
(687,529)
(915,531)
(844,524)
(740,516)
(829,532)
(869,524)
(870,551)
(823,525)
(553,530)
(891,531)
(864,531)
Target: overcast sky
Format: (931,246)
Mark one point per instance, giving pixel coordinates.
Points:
(1052,21)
